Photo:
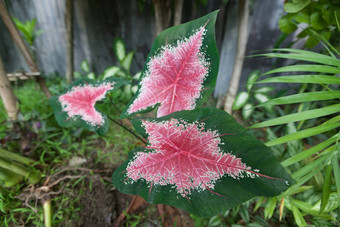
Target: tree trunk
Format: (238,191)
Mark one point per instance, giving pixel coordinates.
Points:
(8,98)
(162,14)
(69,41)
(22,46)
(240,52)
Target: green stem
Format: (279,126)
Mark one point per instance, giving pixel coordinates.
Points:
(131,132)
(13,156)
(113,104)
(47,213)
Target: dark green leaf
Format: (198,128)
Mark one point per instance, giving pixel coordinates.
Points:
(199,200)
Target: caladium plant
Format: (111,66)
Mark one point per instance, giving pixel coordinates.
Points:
(197,159)
(76,106)
(202,161)
(180,71)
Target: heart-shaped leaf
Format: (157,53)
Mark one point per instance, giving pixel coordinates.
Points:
(202,161)
(76,106)
(180,71)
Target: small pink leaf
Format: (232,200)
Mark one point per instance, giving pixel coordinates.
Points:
(174,77)
(81,100)
(186,156)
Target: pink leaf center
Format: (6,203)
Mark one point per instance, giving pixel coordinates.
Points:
(81,100)
(174,77)
(186,156)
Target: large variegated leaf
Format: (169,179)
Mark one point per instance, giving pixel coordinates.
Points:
(76,106)
(180,71)
(202,161)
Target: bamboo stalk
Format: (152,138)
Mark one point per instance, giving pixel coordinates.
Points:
(7,95)
(22,76)
(15,157)
(6,17)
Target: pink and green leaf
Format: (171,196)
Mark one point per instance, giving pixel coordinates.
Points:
(76,106)
(180,71)
(202,161)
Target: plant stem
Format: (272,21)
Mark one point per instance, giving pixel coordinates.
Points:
(113,104)
(124,127)
(47,213)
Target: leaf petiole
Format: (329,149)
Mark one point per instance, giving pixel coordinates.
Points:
(127,129)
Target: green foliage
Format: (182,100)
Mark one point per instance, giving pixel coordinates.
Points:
(246,100)
(53,147)
(311,162)
(321,16)
(123,71)
(307,122)
(28,30)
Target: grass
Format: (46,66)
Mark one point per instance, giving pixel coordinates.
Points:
(53,147)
